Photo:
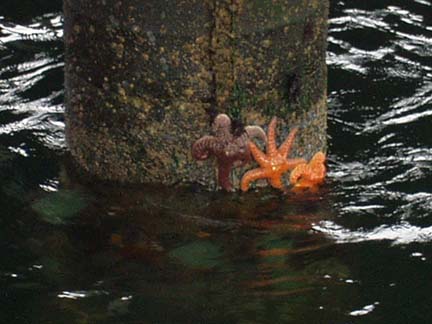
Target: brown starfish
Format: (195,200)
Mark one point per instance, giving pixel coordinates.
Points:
(229,150)
(274,163)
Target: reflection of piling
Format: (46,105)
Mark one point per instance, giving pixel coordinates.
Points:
(145,78)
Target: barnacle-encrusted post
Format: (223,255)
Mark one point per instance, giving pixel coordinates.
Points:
(145,79)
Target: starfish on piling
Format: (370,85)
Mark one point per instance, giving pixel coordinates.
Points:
(274,163)
(230,151)
(309,175)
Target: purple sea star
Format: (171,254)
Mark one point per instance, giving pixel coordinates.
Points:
(229,150)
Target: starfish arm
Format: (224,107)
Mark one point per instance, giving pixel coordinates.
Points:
(258,155)
(237,148)
(250,176)
(318,174)
(314,173)
(285,148)
(296,174)
(242,159)
(303,184)
(308,175)
(271,137)
(237,151)
(222,126)
(256,131)
(276,182)
(203,147)
(292,163)
(224,170)
(318,158)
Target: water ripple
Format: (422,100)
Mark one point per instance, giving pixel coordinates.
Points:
(49,28)
(402,233)
(380,113)
(31,82)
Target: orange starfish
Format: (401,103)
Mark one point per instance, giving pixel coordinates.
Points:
(274,163)
(309,175)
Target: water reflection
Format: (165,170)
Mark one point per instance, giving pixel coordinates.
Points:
(152,244)
(365,310)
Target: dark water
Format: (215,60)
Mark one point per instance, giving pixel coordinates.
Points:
(359,251)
